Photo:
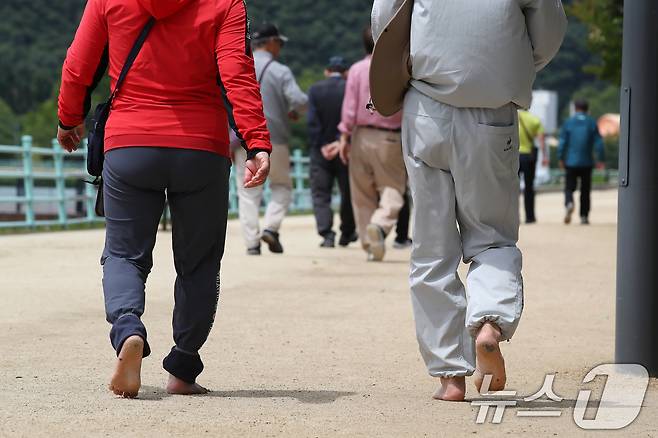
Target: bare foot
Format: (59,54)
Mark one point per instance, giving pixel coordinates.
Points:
(451,389)
(489,358)
(179,387)
(126,379)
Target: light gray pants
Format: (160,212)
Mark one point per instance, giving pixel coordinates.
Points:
(463,173)
(250,199)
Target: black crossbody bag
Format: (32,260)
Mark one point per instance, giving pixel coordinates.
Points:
(96,137)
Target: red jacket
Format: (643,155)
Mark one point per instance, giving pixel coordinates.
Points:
(172,96)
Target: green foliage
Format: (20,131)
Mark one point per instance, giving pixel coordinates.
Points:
(603,99)
(41,123)
(565,73)
(317,29)
(604,20)
(8,125)
(34,36)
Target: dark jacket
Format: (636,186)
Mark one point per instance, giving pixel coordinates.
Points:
(579,139)
(325,103)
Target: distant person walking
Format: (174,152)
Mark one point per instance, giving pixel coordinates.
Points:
(373,146)
(324,111)
(530,129)
(579,141)
(472,65)
(166,138)
(282,100)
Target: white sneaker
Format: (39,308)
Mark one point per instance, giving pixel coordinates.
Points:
(377,242)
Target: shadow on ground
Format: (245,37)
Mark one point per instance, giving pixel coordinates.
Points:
(153,393)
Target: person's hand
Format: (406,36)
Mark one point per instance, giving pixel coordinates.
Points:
(562,164)
(330,150)
(256,170)
(69,139)
(600,165)
(344,149)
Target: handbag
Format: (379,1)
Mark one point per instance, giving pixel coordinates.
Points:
(96,136)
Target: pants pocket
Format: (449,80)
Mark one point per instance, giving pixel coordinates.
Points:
(502,145)
(430,140)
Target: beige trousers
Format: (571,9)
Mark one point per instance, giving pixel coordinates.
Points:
(378,179)
(251,199)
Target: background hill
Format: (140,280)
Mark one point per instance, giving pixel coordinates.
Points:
(34,36)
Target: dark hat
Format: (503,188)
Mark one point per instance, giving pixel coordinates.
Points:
(267,31)
(337,63)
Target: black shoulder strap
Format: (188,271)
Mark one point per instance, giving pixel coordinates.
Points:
(137,47)
(262,73)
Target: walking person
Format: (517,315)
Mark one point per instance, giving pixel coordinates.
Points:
(282,102)
(580,140)
(166,138)
(373,146)
(325,100)
(473,63)
(530,129)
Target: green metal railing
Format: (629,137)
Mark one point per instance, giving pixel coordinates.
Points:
(41,167)
(27,168)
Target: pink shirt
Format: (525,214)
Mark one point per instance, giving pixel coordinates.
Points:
(357,95)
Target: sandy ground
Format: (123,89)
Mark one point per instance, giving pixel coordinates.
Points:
(313,343)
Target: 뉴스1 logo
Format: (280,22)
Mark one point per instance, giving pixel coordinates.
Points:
(620,403)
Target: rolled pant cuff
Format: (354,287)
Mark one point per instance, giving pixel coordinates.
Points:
(185,366)
(449,374)
(506,329)
(126,326)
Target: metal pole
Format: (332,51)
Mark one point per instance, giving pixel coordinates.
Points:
(60,182)
(28,181)
(637,253)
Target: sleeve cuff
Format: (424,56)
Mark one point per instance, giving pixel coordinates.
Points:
(344,129)
(65,127)
(251,153)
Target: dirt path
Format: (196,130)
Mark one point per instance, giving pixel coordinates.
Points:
(312,343)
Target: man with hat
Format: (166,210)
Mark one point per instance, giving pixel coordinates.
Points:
(461,69)
(282,100)
(325,100)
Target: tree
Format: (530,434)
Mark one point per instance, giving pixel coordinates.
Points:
(565,73)
(34,36)
(604,20)
(41,123)
(8,125)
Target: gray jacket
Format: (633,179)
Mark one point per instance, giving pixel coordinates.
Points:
(281,94)
(478,53)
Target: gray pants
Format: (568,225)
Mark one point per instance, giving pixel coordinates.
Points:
(250,199)
(463,173)
(196,184)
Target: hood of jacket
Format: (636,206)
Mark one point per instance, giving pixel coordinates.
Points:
(163,8)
